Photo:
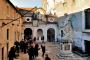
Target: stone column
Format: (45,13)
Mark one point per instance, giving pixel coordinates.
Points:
(34,32)
(45,34)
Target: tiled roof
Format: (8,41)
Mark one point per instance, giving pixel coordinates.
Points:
(12,5)
(28,9)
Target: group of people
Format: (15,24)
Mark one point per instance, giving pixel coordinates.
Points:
(18,47)
(27,46)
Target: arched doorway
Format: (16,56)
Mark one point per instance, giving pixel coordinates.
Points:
(51,35)
(39,34)
(27,33)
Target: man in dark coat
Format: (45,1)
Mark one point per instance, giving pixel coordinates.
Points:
(22,45)
(47,58)
(31,53)
(17,45)
(34,39)
(11,54)
(25,46)
(43,49)
(36,50)
(42,38)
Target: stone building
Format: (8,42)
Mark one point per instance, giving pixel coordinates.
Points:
(60,7)
(10,27)
(81,30)
(38,24)
(78,19)
(79,25)
(44,4)
(64,28)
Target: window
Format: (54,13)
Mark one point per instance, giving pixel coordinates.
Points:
(15,36)
(62,33)
(7,34)
(51,20)
(7,10)
(28,19)
(87,19)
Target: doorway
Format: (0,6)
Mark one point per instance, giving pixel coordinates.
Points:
(3,53)
(50,35)
(28,33)
(39,34)
(87,47)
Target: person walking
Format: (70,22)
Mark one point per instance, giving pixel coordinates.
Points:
(36,49)
(47,58)
(34,38)
(42,38)
(43,49)
(22,46)
(31,53)
(11,54)
(17,45)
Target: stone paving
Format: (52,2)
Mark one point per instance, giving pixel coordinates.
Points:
(53,51)
(56,49)
(26,57)
(49,51)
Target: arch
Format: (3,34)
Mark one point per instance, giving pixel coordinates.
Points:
(39,32)
(51,35)
(27,33)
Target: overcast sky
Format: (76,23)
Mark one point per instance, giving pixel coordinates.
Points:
(26,3)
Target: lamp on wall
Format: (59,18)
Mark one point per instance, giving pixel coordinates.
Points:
(12,24)
(17,24)
(3,23)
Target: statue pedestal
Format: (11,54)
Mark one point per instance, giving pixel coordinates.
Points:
(66,48)
(66,51)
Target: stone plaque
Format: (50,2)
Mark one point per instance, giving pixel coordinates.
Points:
(35,23)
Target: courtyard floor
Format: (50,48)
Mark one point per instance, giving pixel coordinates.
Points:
(53,51)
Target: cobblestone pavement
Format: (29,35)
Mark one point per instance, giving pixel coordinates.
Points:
(52,50)
(23,56)
(56,49)
(49,51)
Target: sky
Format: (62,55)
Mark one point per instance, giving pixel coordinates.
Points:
(27,3)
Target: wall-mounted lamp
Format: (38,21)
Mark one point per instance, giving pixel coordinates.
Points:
(17,24)
(3,23)
(12,24)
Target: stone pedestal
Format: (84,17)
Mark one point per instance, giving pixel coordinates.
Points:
(66,48)
(66,51)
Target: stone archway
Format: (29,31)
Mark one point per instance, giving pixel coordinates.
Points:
(39,34)
(50,35)
(28,33)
